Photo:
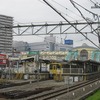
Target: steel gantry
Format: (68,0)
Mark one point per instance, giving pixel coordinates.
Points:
(54,28)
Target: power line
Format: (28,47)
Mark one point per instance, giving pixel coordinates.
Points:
(96,5)
(86,19)
(84,8)
(41,2)
(66,8)
(82,14)
(69,22)
(68,15)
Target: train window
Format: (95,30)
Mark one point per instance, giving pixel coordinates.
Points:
(65,66)
(54,66)
(50,66)
(58,66)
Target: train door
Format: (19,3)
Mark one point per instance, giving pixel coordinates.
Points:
(52,70)
(58,73)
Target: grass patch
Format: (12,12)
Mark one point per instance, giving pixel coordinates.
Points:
(95,96)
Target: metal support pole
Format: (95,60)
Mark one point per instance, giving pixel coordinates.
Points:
(37,65)
(70,68)
(17,66)
(10,69)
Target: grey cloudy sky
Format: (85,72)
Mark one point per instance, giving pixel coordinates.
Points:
(28,11)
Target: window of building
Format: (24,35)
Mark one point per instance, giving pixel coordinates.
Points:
(84,55)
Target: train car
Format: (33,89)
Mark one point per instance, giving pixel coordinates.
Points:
(56,70)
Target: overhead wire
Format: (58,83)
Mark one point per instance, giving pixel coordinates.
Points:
(66,8)
(39,0)
(84,17)
(69,22)
(95,3)
(94,14)
(84,8)
(63,13)
(68,15)
(69,10)
(82,14)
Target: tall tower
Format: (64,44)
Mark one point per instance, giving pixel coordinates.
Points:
(6,34)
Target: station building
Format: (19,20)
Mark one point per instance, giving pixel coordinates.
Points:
(85,51)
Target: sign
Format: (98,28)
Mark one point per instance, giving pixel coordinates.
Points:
(3,59)
(33,52)
(69,42)
(68,80)
(2,56)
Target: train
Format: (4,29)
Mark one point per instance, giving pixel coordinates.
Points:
(82,70)
(56,70)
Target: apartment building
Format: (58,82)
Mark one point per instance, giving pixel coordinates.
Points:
(6,34)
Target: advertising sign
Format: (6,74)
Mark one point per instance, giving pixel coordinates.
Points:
(69,42)
(3,59)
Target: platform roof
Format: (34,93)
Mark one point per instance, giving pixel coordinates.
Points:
(86,61)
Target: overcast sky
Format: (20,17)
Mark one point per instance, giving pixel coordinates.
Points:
(28,11)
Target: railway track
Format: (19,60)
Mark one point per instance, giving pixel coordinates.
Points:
(60,91)
(43,93)
(11,84)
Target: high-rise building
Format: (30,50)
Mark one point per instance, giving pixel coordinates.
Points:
(6,34)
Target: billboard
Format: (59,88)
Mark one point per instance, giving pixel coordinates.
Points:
(3,59)
(68,42)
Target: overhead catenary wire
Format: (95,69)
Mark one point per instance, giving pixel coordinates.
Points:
(94,2)
(98,35)
(70,23)
(41,2)
(82,14)
(85,18)
(68,15)
(85,8)
(67,8)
